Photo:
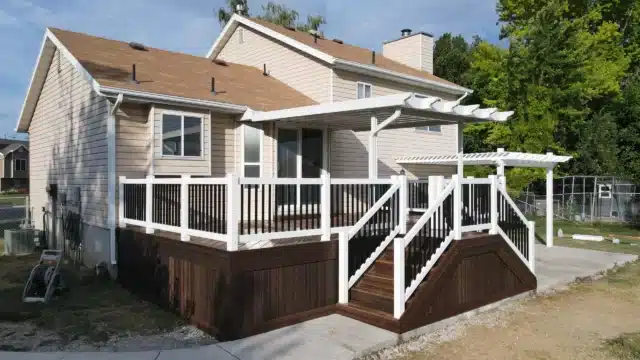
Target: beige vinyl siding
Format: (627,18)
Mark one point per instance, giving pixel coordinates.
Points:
(269,145)
(176,166)
(223,129)
(290,66)
(133,141)
(427,53)
(68,143)
(349,154)
(2,165)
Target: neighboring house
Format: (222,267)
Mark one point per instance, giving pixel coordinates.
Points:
(181,114)
(14,165)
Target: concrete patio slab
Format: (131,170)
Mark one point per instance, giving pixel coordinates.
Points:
(329,337)
(137,355)
(558,266)
(209,352)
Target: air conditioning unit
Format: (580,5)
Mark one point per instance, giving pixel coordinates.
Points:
(20,242)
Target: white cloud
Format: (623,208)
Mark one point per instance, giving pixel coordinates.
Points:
(7,20)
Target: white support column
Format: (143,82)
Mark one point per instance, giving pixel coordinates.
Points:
(234,207)
(325,207)
(457,207)
(532,246)
(121,223)
(184,207)
(549,237)
(343,268)
(149,204)
(373,149)
(494,204)
(403,202)
(398,277)
(460,150)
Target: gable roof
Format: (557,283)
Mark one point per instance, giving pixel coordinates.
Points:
(107,65)
(354,58)
(11,148)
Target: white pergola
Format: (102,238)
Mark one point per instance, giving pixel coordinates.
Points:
(500,159)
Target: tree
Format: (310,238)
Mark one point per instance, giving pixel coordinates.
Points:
(451,58)
(224,15)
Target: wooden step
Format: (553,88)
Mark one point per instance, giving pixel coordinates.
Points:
(382,267)
(373,317)
(371,298)
(371,280)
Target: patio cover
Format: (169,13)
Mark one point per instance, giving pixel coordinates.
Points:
(501,159)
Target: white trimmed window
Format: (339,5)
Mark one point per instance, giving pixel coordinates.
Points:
(181,135)
(432,128)
(21,164)
(363,90)
(252,150)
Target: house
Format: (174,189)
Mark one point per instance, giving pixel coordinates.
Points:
(14,164)
(275,137)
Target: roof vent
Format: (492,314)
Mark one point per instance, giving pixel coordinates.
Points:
(138,46)
(405,32)
(338,41)
(373,57)
(240,9)
(290,28)
(220,62)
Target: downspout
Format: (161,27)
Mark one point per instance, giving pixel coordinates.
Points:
(111,173)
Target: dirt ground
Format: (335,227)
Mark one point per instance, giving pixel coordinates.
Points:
(597,319)
(94,314)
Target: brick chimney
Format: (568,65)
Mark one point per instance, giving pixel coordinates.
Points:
(411,49)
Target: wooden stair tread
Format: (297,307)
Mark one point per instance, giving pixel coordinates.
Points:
(359,307)
(375,292)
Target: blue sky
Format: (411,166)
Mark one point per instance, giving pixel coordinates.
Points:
(191,26)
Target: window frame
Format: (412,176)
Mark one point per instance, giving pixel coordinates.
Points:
(427,128)
(364,84)
(243,163)
(182,115)
(18,161)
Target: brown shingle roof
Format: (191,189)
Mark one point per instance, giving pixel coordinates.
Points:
(350,52)
(176,74)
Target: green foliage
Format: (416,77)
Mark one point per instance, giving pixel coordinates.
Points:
(570,73)
(272,12)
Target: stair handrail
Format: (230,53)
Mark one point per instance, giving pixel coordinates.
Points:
(530,263)
(372,211)
(429,213)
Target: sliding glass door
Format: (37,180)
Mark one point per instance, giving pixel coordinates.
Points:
(300,155)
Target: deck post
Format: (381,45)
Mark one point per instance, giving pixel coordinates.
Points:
(234,206)
(121,222)
(494,204)
(549,233)
(457,207)
(184,207)
(148,205)
(403,202)
(325,207)
(532,246)
(343,267)
(373,149)
(398,277)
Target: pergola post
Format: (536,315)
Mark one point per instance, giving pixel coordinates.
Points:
(549,235)
(460,150)
(373,149)
(502,181)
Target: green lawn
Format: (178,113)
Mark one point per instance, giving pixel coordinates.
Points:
(12,199)
(628,234)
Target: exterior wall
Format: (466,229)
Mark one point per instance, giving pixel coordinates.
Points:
(133,141)
(19,154)
(2,165)
(68,147)
(164,165)
(6,167)
(415,51)
(223,144)
(349,154)
(293,68)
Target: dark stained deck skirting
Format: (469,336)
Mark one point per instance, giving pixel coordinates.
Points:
(237,294)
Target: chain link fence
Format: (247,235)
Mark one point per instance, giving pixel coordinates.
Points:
(585,198)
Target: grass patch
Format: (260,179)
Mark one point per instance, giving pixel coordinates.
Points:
(93,309)
(12,200)
(625,346)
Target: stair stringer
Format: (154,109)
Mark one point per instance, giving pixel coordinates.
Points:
(456,277)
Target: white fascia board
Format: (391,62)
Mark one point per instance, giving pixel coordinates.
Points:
(170,100)
(399,77)
(237,19)
(390,101)
(20,128)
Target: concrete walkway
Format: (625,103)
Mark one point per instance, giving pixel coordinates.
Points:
(339,337)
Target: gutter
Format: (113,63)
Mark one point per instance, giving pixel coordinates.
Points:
(171,100)
(111,177)
(395,76)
